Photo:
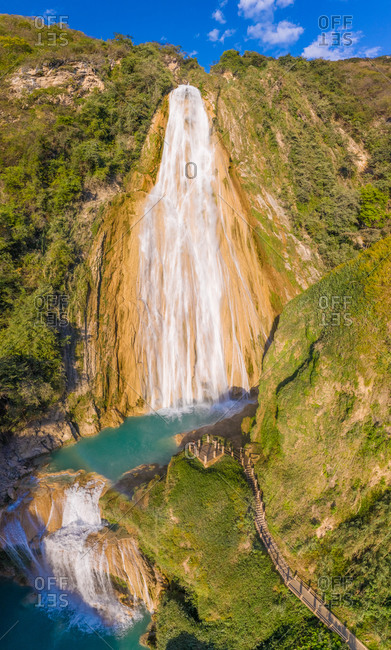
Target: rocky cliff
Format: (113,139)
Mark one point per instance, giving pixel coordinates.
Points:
(114,354)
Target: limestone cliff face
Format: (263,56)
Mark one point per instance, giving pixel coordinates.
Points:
(113,358)
(75,79)
(111,319)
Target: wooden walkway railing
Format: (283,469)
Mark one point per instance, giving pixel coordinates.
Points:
(292,581)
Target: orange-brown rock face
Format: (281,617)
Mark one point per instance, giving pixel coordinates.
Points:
(184,283)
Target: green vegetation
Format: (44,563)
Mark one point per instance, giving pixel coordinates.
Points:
(223,592)
(323,438)
(359,550)
(314,134)
(69,142)
(373,205)
(232,61)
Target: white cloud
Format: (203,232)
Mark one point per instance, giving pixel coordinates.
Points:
(227,34)
(371,52)
(214,35)
(266,30)
(333,48)
(316,50)
(282,33)
(219,16)
(253,8)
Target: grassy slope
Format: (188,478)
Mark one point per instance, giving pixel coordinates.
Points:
(223,592)
(323,435)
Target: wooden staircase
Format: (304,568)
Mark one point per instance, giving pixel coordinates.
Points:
(298,586)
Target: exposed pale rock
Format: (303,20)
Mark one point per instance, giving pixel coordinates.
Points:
(77,78)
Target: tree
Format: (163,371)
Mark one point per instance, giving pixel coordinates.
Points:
(373,206)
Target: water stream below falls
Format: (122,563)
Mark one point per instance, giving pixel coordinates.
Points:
(72,602)
(139,440)
(91,609)
(27,626)
(70,565)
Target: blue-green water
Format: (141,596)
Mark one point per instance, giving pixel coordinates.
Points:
(23,626)
(139,440)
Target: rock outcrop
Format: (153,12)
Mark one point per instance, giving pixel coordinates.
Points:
(73,79)
(27,445)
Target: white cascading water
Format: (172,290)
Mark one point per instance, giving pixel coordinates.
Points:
(72,564)
(182,276)
(68,553)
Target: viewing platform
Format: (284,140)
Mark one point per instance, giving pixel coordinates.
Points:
(208,451)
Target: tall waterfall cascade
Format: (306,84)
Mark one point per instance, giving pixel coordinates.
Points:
(190,286)
(71,567)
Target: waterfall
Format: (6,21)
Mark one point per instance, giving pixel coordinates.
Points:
(72,568)
(184,279)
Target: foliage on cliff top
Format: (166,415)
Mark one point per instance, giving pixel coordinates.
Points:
(197,527)
(312,133)
(323,435)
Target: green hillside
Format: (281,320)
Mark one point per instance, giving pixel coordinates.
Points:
(317,135)
(322,435)
(196,526)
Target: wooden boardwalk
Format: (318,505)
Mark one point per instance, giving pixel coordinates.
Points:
(292,581)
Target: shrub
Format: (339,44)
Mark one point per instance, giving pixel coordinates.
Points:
(373,204)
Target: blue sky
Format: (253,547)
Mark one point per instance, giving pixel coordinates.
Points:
(206,28)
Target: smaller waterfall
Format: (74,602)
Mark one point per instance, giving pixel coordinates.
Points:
(75,568)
